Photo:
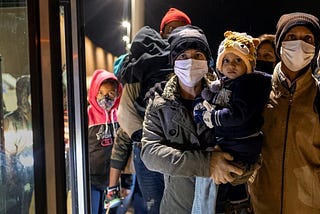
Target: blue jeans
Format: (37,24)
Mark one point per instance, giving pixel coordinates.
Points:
(134,199)
(151,183)
(205,196)
(97,199)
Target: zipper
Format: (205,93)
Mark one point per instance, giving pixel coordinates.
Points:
(284,151)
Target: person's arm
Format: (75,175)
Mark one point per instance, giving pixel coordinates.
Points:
(157,155)
(128,117)
(121,151)
(114,176)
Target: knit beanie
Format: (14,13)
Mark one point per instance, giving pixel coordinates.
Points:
(174,14)
(240,44)
(188,37)
(288,21)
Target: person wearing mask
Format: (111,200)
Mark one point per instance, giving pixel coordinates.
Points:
(233,108)
(288,180)
(103,96)
(147,63)
(172,142)
(266,53)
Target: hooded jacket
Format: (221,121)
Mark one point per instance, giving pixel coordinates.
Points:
(102,130)
(146,64)
(288,181)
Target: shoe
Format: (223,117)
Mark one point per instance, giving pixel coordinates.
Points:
(112,198)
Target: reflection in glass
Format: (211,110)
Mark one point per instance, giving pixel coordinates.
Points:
(17,177)
(65,106)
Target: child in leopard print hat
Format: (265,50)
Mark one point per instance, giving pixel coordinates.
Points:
(233,107)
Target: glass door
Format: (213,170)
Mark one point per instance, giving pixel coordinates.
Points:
(16,151)
(43,157)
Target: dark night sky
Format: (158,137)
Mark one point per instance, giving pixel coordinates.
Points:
(213,16)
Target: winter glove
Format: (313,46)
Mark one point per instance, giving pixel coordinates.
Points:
(112,198)
(202,112)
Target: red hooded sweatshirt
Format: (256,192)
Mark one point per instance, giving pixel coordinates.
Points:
(103,125)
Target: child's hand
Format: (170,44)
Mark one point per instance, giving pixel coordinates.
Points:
(202,112)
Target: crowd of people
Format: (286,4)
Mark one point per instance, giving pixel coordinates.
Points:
(232,132)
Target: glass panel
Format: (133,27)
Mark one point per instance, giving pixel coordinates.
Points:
(16,182)
(65,105)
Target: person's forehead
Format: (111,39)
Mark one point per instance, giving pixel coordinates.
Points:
(266,46)
(300,29)
(192,50)
(107,86)
(231,55)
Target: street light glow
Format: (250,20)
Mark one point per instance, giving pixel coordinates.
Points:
(126,24)
(126,39)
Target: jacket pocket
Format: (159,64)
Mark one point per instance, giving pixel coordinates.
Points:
(308,181)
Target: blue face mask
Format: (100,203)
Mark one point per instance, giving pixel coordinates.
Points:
(106,103)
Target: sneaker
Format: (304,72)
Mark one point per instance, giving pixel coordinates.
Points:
(112,198)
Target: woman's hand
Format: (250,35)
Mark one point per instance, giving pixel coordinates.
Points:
(221,168)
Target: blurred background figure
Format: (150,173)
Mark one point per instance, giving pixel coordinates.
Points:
(18,149)
(266,55)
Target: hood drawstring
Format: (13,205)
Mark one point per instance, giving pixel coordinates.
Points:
(111,116)
(113,123)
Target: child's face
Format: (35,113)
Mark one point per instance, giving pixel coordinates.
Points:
(107,89)
(233,66)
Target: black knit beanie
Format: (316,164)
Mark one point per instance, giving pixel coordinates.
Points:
(288,21)
(188,37)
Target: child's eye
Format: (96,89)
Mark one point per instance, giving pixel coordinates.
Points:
(238,60)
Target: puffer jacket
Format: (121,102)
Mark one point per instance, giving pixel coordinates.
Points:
(289,180)
(171,145)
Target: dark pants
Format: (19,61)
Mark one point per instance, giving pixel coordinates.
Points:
(232,198)
(97,201)
(151,183)
(134,199)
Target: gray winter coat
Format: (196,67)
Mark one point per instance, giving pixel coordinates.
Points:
(171,145)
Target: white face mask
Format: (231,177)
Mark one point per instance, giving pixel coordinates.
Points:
(296,54)
(190,71)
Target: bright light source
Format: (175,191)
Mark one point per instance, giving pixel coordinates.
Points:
(126,24)
(126,39)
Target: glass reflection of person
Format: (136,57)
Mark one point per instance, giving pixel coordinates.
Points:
(18,147)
